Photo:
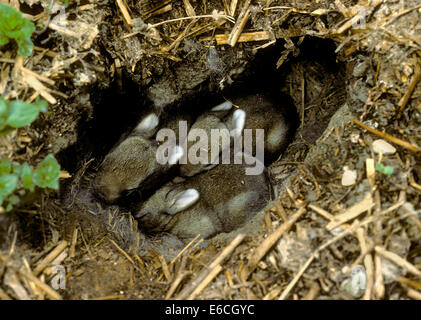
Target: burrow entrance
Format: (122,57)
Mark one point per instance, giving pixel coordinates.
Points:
(310,85)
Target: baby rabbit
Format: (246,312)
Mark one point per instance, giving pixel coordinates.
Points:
(134,162)
(262,112)
(218,200)
(215,137)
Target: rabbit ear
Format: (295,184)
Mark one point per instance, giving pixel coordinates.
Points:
(148,123)
(183,201)
(224,106)
(176,153)
(238,121)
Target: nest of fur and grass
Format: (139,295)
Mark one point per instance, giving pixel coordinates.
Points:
(340,210)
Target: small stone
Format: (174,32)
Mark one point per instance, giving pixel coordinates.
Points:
(349,177)
(356,282)
(383,147)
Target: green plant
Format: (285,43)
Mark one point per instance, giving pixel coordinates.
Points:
(15,179)
(65,3)
(17,114)
(14,26)
(18,179)
(387,170)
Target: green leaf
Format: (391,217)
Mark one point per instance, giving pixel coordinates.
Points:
(5,166)
(8,183)
(3,108)
(47,173)
(14,26)
(387,170)
(21,113)
(42,105)
(26,174)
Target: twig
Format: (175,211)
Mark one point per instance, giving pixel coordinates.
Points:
(368,264)
(268,243)
(72,250)
(379,288)
(400,14)
(126,16)
(211,275)
(313,292)
(398,260)
(50,257)
(400,142)
(189,8)
(414,294)
(204,272)
(124,253)
(404,101)
(351,213)
(353,227)
(230,19)
(222,39)
(165,269)
(184,249)
(239,25)
(4,295)
(179,277)
(11,280)
(44,287)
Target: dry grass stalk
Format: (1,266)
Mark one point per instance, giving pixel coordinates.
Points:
(411,283)
(313,292)
(268,243)
(124,253)
(57,261)
(184,249)
(181,274)
(233,6)
(175,284)
(38,293)
(386,136)
(154,11)
(414,294)
(379,289)
(4,295)
(398,260)
(240,24)
(342,8)
(210,276)
(72,250)
(315,254)
(165,269)
(371,172)
(272,294)
(44,287)
(204,272)
(405,99)
(351,213)
(50,257)
(11,280)
(358,16)
(400,14)
(368,264)
(126,16)
(189,8)
(222,39)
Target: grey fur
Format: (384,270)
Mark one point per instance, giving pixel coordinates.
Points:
(228,199)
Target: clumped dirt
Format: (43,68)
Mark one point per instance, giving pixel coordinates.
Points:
(335,71)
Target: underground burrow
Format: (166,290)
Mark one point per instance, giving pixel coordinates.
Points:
(120,108)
